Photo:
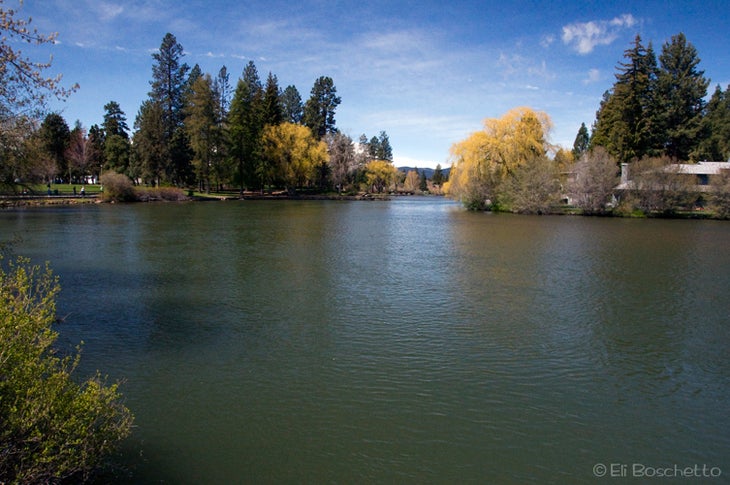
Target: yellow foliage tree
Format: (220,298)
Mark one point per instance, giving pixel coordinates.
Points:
(412,181)
(293,154)
(380,174)
(482,162)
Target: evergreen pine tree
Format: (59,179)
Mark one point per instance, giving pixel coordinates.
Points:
(386,151)
(438,175)
(582,142)
(169,80)
(715,128)
(55,136)
(149,149)
(291,102)
(319,110)
(681,89)
(245,126)
(626,122)
(273,113)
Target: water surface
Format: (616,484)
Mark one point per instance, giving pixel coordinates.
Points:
(407,341)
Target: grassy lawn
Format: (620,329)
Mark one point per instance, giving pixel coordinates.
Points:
(66,190)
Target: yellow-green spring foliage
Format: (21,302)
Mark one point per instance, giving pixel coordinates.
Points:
(51,427)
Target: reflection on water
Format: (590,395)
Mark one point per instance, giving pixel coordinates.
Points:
(402,341)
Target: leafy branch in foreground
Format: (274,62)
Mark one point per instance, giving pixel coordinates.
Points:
(51,428)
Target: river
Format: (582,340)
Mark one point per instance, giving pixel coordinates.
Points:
(403,341)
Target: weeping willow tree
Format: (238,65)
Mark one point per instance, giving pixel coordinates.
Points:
(506,147)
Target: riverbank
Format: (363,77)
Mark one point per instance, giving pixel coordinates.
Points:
(65,200)
(47,200)
(7,202)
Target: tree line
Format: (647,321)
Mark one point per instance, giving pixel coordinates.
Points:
(198,130)
(657,109)
(654,118)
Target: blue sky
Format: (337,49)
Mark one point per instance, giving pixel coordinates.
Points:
(426,72)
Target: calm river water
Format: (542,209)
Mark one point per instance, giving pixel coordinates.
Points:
(406,341)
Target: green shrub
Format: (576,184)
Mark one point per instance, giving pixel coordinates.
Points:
(51,428)
(117,188)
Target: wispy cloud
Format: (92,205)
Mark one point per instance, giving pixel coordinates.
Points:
(107,11)
(516,65)
(594,75)
(585,36)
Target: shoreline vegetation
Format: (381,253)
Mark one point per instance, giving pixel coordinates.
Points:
(145,195)
(202,137)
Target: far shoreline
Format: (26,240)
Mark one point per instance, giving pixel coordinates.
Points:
(7,202)
(52,201)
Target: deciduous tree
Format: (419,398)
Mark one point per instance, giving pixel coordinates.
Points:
(532,188)
(486,158)
(380,174)
(594,178)
(720,196)
(19,149)
(24,87)
(78,153)
(293,155)
(202,128)
(659,186)
(342,160)
(411,182)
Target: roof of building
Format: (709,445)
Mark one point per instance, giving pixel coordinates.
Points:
(703,168)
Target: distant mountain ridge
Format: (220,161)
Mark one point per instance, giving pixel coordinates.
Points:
(429,171)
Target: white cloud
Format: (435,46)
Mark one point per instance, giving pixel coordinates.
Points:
(594,75)
(108,11)
(547,41)
(585,36)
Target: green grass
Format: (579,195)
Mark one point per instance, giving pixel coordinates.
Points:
(65,189)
